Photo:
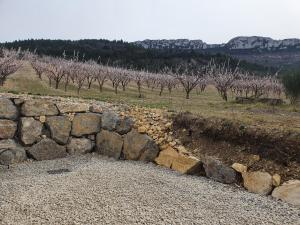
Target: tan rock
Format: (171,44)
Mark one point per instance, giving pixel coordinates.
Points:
(8,129)
(253,159)
(258,182)
(142,130)
(182,149)
(42,119)
(288,192)
(168,125)
(187,164)
(173,143)
(71,116)
(239,167)
(64,107)
(276,180)
(86,123)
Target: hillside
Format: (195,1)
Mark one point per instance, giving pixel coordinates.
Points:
(258,50)
(128,54)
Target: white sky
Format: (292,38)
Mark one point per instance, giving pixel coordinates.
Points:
(213,21)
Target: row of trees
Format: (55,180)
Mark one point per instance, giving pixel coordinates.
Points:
(225,78)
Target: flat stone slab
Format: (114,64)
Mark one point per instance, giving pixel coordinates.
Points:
(86,123)
(38,108)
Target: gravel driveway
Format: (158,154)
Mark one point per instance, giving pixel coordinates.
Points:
(103,191)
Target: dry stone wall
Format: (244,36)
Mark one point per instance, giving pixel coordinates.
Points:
(50,128)
(43,130)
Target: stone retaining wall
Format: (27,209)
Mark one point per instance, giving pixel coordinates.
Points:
(45,129)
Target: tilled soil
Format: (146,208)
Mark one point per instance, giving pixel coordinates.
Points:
(102,191)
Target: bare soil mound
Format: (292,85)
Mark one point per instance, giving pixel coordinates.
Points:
(273,151)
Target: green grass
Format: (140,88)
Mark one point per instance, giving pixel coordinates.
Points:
(207,104)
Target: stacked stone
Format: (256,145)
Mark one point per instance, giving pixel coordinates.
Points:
(43,130)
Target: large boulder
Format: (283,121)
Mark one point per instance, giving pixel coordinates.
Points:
(7,109)
(38,108)
(288,192)
(258,182)
(218,171)
(188,165)
(47,149)
(139,147)
(86,123)
(110,120)
(8,129)
(60,128)
(109,143)
(167,157)
(11,153)
(64,107)
(124,125)
(78,146)
(30,130)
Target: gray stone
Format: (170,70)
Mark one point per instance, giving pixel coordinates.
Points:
(139,147)
(110,120)
(288,192)
(216,170)
(109,144)
(60,128)
(30,130)
(7,109)
(11,153)
(7,144)
(8,129)
(38,108)
(124,125)
(19,101)
(64,107)
(47,149)
(258,182)
(86,123)
(12,156)
(78,146)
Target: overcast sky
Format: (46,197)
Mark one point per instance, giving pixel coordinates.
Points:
(213,21)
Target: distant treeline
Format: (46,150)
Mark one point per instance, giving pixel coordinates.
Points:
(120,53)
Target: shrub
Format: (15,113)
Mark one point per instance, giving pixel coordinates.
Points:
(291,82)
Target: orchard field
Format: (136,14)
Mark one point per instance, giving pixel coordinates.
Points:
(207,103)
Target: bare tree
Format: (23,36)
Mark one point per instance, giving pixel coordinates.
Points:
(57,68)
(189,78)
(9,64)
(223,77)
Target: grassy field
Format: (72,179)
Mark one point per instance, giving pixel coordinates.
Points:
(207,104)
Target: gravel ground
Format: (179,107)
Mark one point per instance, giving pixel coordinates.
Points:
(102,191)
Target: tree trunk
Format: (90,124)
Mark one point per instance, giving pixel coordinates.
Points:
(89,85)
(56,84)
(161,91)
(187,94)
(139,89)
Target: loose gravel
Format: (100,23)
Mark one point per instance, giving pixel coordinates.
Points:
(103,191)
